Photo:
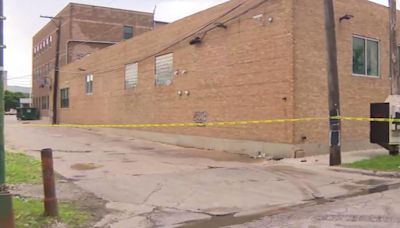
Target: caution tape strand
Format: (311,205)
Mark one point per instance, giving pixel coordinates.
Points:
(220,123)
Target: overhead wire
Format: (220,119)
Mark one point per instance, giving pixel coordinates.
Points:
(176,42)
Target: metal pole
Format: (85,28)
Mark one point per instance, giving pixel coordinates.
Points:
(56,73)
(394,63)
(2,152)
(6,211)
(49,186)
(333,85)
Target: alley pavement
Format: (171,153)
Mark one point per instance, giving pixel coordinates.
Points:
(148,184)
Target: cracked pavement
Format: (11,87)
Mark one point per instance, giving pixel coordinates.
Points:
(148,184)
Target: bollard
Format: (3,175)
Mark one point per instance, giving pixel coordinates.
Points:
(50,199)
(6,211)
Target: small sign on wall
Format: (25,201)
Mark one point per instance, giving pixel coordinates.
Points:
(200,117)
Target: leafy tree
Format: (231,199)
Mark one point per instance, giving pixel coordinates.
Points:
(11,99)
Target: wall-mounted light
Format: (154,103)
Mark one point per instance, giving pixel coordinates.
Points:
(270,19)
(81,69)
(221,25)
(180,93)
(345,17)
(187,93)
(196,40)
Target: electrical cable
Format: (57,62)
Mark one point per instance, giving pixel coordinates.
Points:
(176,42)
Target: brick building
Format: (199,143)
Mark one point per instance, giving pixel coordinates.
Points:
(85,29)
(238,61)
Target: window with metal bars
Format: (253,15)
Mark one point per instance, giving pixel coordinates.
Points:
(131,75)
(164,69)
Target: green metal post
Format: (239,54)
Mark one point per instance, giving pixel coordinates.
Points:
(2,153)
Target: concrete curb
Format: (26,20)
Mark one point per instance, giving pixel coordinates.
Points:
(367,172)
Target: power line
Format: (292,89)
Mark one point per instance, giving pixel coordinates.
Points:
(116,67)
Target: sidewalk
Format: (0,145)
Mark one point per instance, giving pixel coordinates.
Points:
(151,184)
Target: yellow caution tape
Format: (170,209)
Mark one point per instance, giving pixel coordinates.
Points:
(157,125)
(217,123)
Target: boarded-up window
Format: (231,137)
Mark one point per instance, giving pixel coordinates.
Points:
(164,69)
(131,75)
(89,84)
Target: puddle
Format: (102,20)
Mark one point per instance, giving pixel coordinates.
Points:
(117,154)
(207,154)
(350,187)
(85,166)
(74,151)
(128,161)
(229,220)
(371,182)
(221,221)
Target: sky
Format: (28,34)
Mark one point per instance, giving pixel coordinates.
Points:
(23,22)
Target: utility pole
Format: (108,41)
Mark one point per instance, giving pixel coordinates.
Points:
(333,86)
(394,63)
(56,67)
(2,74)
(6,211)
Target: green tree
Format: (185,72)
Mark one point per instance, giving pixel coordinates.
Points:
(11,99)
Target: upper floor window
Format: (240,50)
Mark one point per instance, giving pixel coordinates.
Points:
(365,56)
(164,69)
(128,32)
(131,75)
(89,84)
(45,102)
(64,98)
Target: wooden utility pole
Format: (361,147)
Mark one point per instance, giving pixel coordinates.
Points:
(333,85)
(56,67)
(394,62)
(56,73)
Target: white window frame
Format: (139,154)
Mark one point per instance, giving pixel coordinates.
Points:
(89,84)
(131,82)
(366,57)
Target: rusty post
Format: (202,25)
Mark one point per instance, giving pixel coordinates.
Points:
(6,211)
(50,199)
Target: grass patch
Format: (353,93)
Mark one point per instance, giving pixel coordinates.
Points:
(29,213)
(21,168)
(378,163)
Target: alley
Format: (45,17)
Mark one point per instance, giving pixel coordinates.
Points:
(150,184)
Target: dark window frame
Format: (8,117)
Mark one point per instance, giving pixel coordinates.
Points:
(366,57)
(127,34)
(64,97)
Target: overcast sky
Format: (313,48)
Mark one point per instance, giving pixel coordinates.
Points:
(23,22)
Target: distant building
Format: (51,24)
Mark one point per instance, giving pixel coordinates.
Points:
(25,102)
(85,29)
